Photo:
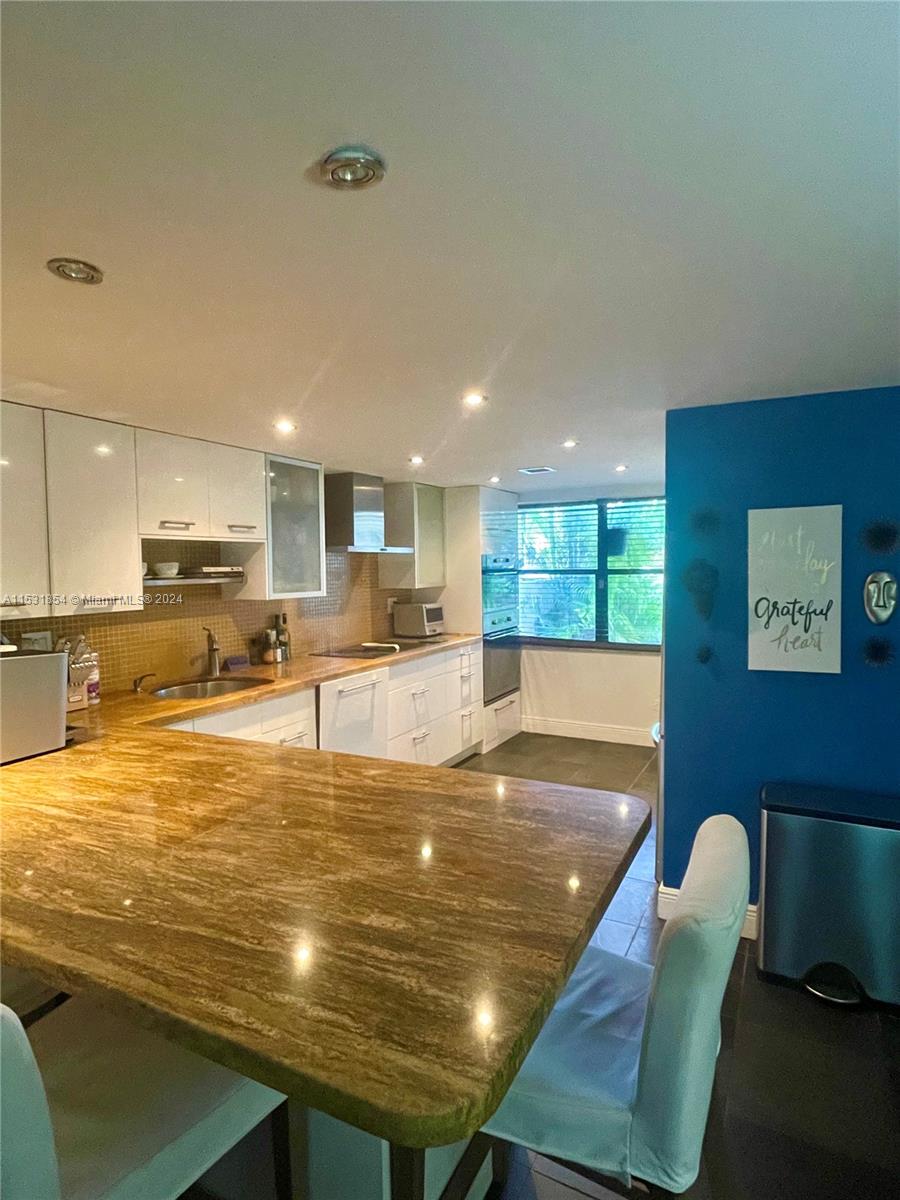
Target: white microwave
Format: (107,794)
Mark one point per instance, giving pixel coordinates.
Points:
(418,620)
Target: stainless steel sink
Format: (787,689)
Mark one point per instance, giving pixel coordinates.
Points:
(206,686)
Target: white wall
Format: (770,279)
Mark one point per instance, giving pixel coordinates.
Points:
(608,695)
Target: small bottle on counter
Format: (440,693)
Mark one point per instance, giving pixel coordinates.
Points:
(284,639)
(270,645)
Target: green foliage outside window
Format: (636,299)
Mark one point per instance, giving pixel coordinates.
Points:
(592,571)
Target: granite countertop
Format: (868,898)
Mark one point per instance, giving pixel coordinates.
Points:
(380,940)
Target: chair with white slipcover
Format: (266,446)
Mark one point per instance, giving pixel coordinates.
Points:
(95,1108)
(618,1084)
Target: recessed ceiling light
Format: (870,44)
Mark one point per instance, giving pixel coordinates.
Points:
(103,450)
(494,479)
(622,467)
(283,425)
(416,460)
(352,167)
(537,470)
(570,444)
(474,400)
(75,270)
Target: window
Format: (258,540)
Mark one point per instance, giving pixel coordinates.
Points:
(592,571)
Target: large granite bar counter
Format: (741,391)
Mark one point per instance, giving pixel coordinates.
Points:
(381,941)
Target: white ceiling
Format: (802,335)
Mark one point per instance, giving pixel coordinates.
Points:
(593,212)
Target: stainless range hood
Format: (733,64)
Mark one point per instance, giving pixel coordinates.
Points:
(354,514)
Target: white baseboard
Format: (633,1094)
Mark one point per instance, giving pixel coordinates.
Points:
(587,729)
(665,904)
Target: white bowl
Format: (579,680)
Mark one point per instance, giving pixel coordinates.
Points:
(143,568)
(165,570)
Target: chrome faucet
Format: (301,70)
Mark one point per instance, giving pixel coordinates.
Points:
(136,685)
(212,651)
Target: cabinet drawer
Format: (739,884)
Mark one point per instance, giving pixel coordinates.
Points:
(465,687)
(418,668)
(460,658)
(426,745)
(462,730)
(417,704)
(301,735)
(296,706)
(353,714)
(471,725)
(502,720)
(236,723)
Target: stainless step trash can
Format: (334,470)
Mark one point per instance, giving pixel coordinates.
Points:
(829,905)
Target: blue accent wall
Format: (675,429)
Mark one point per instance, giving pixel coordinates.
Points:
(729,730)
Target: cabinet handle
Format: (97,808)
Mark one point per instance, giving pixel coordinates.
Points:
(358,688)
(508,704)
(421,692)
(176,524)
(248,528)
(468,713)
(420,737)
(466,674)
(298,737)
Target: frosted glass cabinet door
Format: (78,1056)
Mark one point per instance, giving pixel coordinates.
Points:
(296,527)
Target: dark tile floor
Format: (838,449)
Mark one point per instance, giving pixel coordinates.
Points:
(811,1094)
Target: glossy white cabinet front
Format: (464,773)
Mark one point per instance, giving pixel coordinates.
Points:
(95,555)
(353,714)
(24,556)
(237,493)
(173,485)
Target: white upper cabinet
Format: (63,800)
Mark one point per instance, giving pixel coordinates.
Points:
(413,516)
(237,494)
(95,551)
(173,485)
(24,558)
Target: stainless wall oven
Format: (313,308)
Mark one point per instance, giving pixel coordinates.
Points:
(502,664)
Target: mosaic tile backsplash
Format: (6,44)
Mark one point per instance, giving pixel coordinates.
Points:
(169,639)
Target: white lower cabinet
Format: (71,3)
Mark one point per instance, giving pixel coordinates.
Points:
(426,710)
(353,714)
(288,720)
(435,706)
(417,704)
(427,744)
(502,720)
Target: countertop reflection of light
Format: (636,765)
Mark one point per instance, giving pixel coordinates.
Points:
(574,883)
(303,956)
(426,850)
(29,871)
(623,809)
(127,903)
(485,1018)
(501,791)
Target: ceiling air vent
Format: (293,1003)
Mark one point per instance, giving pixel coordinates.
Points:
(537,470)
